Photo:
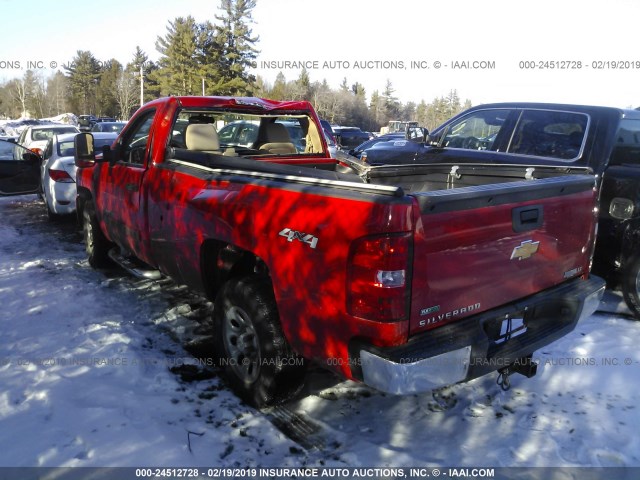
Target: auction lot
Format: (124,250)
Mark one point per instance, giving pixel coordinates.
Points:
(100,369)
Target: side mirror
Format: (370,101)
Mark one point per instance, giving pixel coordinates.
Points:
(85,155)
(416,134)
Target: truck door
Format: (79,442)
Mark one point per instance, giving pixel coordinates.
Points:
(121,184)
(19,170)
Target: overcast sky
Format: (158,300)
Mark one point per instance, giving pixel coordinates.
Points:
(583,51)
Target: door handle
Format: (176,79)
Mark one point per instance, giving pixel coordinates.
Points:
(527,218)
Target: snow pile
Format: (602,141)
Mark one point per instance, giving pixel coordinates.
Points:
(66,118)
(13,128)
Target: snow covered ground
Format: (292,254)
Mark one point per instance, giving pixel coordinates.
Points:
(99,369)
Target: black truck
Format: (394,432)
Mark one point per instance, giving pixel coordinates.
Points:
(604,140)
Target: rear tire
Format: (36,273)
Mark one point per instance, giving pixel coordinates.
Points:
(95,243)
(250,346)
(631,285)
(51,215)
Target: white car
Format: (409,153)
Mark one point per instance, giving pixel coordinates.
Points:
(58,172)
(35,137)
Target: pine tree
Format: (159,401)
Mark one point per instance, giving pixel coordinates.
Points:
(106,89)
(179,70)
(136,72)
(233,38)
(140,59)
(391,103)
(209,57)
(279,90)
(83,73)
(302,86)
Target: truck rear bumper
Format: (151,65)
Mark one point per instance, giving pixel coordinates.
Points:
(477,345)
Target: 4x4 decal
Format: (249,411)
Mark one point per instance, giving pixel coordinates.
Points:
(292,235)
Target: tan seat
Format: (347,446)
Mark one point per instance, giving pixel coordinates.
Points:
(278,140)
(202,137)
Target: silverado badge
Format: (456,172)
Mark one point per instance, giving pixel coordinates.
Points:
(525,250)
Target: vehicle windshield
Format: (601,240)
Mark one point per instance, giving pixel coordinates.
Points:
(44,134)
(246,134)
(110,127)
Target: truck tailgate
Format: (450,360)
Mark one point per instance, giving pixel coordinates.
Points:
(480,247)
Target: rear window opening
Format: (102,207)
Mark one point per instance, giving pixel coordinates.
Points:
(237,134)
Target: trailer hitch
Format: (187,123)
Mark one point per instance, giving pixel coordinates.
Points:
(524,366)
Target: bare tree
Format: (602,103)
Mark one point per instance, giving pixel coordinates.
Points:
(20,93)
(126,93)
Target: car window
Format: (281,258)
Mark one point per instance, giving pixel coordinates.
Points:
(66,148)
(476,131)
(546,133)
(627,146)
(7,150)
(134,144)
(241,133)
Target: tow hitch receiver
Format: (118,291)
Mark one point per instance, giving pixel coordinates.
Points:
(524,366)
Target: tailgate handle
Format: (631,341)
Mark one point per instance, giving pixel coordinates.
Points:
(527,218)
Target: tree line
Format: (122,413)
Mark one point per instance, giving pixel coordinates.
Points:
(210,58)
(348,105)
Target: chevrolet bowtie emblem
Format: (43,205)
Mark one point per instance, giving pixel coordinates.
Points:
(525,250)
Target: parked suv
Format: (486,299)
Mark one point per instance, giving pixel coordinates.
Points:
(349,137)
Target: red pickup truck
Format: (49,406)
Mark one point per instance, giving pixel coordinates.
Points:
(406,278)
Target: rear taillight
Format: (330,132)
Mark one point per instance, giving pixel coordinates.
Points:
(60,176)
(378,280)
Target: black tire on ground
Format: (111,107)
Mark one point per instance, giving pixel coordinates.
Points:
(52,216)
(95,243)
(631,285)
(249,345)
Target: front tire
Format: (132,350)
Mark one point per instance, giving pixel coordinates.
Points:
(251,349)
(95,243)
(631,285)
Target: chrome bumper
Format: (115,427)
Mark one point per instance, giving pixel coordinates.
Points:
(422,365)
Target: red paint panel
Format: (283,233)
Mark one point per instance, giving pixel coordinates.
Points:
(463,264)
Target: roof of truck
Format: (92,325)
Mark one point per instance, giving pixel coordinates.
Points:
(250,103)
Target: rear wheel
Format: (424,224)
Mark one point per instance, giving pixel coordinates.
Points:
(250,345)
(631,285)
(51,215)
(95,243)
